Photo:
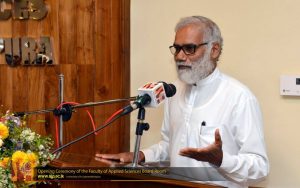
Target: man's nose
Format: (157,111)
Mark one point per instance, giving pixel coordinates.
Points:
(181,56)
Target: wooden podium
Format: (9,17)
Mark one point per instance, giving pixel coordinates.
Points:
(82,161)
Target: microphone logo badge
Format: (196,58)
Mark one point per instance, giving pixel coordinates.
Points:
(156,91)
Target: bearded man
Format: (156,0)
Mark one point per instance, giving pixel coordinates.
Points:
(213,120)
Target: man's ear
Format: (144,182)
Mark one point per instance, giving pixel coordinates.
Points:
(215,51)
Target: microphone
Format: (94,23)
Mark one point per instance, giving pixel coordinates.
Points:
(151,95)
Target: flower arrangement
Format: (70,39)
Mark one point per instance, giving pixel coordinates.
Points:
(21,150)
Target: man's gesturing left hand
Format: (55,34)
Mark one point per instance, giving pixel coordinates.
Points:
(212,153)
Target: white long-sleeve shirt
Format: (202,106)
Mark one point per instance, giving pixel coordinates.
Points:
(196,111)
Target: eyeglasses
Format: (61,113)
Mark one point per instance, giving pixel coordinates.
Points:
(188,49)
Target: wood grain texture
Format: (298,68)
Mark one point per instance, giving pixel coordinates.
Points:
(90,40)
(111,60)
(6,87)
(36,91)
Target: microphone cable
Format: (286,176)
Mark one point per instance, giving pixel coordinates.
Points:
(109,121)
(56,120)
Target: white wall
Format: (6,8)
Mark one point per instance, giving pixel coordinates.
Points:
(261,42)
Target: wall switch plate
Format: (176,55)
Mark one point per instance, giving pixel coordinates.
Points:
(290,85)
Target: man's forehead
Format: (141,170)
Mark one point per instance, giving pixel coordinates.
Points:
(189,34)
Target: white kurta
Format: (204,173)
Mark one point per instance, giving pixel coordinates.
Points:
(192,116)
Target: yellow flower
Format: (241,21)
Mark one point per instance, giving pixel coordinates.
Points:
(3,131)
(19,157)
(4,162)
(33,159)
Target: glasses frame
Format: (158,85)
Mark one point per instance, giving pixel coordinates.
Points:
(175,49)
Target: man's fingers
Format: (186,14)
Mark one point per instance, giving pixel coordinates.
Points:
(188,151)
(103,160)
(108,156)
(123,157)
(184,151)
(98,155)
(218,139)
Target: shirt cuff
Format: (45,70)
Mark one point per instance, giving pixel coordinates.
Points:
(228,162)
(149,155)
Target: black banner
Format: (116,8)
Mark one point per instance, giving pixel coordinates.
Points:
(128,173)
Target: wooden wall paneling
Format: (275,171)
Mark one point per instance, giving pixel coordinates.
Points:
(36,100)
(103,75)
(19,28)
(20,89)
(125,55)
(5,32)
(85,93)
(91,48)
(51,97)
(34,29)
(6,88)
(67,20)
(107,75)
(85,30)
(20,74)
(6,28)
(2,57)
(120,64)
(108,79)
(35,81)
(50,27)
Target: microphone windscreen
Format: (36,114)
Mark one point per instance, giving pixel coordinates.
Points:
(170,89)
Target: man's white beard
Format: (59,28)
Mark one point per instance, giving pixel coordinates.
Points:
(199,70)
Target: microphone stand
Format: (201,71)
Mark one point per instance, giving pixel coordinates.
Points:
(140,127)
(63,110)
(61,99)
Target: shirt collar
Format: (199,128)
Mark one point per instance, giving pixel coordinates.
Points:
(210,78)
